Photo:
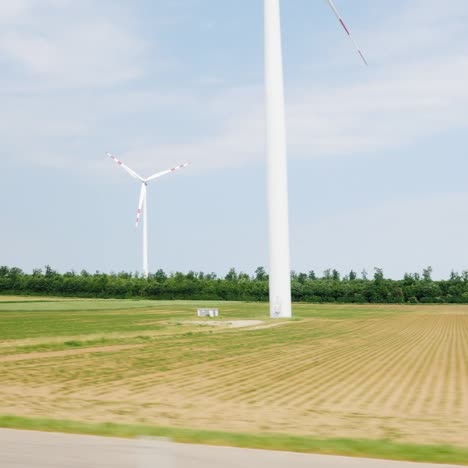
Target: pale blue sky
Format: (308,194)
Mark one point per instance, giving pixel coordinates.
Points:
(377,156)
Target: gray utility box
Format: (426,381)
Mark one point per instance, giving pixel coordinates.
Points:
(208,312)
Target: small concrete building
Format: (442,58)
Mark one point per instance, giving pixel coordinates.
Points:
(208,312)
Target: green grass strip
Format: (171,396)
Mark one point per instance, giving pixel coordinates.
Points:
(368,448)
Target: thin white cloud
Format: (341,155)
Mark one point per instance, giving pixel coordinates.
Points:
(429,231)
(385,112)
(60,44)
(413,89)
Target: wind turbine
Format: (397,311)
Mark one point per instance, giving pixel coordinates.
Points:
(142,204)
(277,177)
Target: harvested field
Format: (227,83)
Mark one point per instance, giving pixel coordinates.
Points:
(395,372)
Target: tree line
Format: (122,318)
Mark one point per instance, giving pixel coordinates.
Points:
(330,286)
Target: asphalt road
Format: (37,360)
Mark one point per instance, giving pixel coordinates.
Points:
(28,449)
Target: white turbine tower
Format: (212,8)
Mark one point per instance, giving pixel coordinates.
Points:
(142,204)
(277,176)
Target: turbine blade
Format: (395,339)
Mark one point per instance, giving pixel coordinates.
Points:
(141,203)
(168,171)
(125,168)
(340,19)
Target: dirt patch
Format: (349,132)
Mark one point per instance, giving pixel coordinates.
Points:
(67,352)
(91,337)
(225,323)
(272,324)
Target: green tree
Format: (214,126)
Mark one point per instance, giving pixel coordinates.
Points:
(260,274)
(301,278)
(427,274)
(160,276)
(231,275)
(378,274)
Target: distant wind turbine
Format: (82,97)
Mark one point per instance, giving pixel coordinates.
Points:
(277,175)
(142,204)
